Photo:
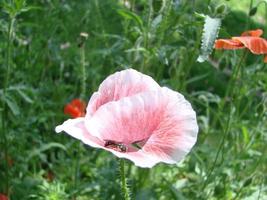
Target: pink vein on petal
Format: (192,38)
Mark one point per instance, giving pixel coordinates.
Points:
(121,84)
(163,118)
(132,108)
(76,129)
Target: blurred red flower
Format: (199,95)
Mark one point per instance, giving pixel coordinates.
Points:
(49,176)
(249,39)
(3,197)
(76,108)
(10,162)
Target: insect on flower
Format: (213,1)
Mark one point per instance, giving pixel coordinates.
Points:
(133,117)
(249,39)
(115,145)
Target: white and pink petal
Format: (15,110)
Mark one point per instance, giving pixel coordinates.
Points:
(131,108)
(162,118)
(76,128)
(177,131)
(129,119)
(118,85)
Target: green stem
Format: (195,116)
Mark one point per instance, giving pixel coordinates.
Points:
(82,96)
(146,31)
(4,112)
(101,23)
(234,77)
(226,131)
(248,22)
(191,57)
(83,72)
(265,19)
(132,5)
(230,93)
(76,171)
(8,57)
(124,188)
(209,1)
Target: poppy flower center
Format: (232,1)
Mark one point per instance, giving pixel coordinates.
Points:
(121,147)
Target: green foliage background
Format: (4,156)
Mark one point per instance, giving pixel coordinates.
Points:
(161,38)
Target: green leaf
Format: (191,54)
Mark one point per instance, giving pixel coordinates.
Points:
(20,4)
(197,78)
(156,21)
(130,15)
(45,147)
(210,33)
(199,15)
(11,103)
(245,134)
(28,8)
(8,9)
(24,96)
(139,49)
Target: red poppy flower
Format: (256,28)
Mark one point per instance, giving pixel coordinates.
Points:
(3,197)
(249,39)
(76,108)
(253,33)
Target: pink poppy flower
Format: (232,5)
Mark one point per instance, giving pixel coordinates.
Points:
(134,118)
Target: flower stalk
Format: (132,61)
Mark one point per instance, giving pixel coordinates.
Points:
(124,188)
(83,38)
(230,93)
(81,45)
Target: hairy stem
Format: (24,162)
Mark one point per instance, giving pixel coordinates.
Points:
(124,188)
(83,72)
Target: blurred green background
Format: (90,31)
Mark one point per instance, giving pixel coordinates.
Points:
(161,38)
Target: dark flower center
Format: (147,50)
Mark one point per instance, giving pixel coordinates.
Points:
(121,147)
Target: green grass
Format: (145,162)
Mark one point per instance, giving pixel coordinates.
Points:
(45,59)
